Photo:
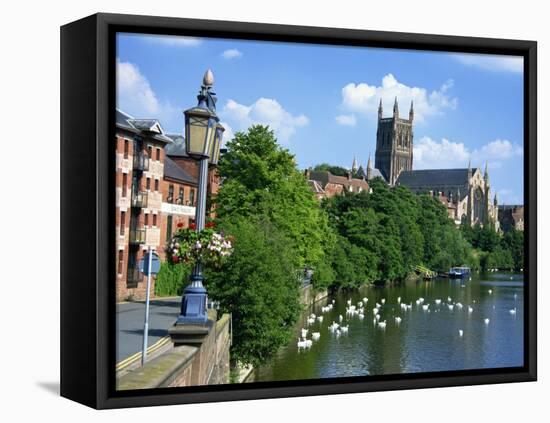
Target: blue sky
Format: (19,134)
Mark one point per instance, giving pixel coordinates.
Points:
(322,101)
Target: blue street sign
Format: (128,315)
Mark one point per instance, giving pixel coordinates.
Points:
(155,263)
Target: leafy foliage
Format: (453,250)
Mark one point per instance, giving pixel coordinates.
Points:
(258,285)
(171,279)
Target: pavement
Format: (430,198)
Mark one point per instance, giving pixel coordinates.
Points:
(130,316)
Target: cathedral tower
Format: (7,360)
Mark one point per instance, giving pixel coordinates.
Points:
(394,143)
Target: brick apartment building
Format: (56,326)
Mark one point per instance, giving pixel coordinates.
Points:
(154,193)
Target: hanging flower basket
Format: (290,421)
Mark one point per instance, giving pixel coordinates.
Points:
(208,247)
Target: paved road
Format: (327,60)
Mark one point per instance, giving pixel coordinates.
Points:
(162,314)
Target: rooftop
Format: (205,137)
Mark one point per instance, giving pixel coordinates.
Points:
(433,177)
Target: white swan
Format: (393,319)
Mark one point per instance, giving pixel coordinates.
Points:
(451,306)
(460,332)
(383,301)
(304,332)
(397,319)
(345,329)
(375,311)
(361,316)
(513,311)
(425,307)
(315,336)
(365,300)
(349,302)
(490,291)
(398,300)
(377,317)
(340,317)
(486,321)
(459,306)
(301,344)
(382,325)
(320,319)
(470,309)
(311,321)
(438,301)
(449,299)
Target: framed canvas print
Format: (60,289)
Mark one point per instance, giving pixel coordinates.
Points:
(256,211)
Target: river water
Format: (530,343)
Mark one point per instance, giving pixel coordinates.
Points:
(424,340)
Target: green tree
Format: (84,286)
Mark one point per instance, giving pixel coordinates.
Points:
(258,285)
(261,179)
(335,170)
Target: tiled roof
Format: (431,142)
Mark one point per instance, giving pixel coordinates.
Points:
(325,177)
(433,177)
(173,171)
(127,122)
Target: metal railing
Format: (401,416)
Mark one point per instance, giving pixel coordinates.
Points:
(137,236)
(141,161)
(139,199)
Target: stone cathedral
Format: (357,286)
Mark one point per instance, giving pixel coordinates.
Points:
(465,192)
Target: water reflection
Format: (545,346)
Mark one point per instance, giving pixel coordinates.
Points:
(424,340)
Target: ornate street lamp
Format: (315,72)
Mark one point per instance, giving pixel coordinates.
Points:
(215,149)
(202,142)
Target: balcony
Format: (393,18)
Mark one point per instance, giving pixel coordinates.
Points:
(137,236)
(139,199)
(141,162)
(134,277)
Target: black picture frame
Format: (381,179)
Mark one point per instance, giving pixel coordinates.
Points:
(87,205)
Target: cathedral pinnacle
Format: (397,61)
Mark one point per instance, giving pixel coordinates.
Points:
(395,108)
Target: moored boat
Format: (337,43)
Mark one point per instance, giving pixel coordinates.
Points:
(459,272)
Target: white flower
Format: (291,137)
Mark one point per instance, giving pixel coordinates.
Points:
(198,245)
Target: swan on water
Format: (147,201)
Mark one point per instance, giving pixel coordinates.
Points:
(451,306)
(361,316)
(490,291)
(320,319)
(382,325)
(365,300)
(486,321)
(425,307)
(311,321)
(301,344)
(375,311)
(397,319)
(383,301)
(345,329)
(449,299)
(460,332)
(459,306)
(398,300)
(377,317)
(438,301)
(513,311)
(470,309)
(304,332)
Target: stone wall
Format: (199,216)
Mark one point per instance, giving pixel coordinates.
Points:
(308,296)
(206,363)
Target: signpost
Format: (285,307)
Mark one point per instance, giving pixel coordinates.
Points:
(148,265)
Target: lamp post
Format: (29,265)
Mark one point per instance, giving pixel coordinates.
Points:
(202,142)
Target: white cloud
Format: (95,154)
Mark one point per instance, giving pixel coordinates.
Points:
(346,120)
(364,98)
(264,111)
(173,40)
(431,154)
(232,53)
(492,62)
(228,134)
(136,97)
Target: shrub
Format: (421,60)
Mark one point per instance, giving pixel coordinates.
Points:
(171,279)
